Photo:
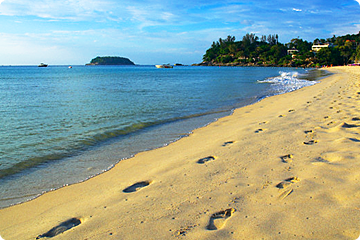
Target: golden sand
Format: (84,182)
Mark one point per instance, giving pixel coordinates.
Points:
(287,167)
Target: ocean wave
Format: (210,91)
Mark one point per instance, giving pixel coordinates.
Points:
(287,82)
(62,152)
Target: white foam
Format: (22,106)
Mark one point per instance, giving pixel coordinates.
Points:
(287,82)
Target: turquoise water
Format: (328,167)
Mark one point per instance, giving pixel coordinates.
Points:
(60,125)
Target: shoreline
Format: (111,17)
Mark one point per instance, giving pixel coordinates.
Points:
(240,64)
(109,146)
(231,179)
(110,151)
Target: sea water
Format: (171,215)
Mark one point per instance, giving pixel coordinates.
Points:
(59,126)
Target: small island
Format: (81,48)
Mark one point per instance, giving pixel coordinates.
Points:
(110,61)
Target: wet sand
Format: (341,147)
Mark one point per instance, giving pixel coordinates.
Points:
(287,167)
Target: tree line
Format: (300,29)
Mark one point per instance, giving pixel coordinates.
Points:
(268,51)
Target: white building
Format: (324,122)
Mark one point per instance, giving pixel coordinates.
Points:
(292,51)
(317,47)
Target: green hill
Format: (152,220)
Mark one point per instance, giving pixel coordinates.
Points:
(268,51)
(110,61)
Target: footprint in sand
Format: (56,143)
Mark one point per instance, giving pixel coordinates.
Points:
(354,139)
(137,186)
(319,161)
(259,130)
(330,123)
(328,158)
(228,143)
(206,159)
(346,125)
(311,142)
(218,220)
(287,158)
(73,222)
(284,186)
(287,182)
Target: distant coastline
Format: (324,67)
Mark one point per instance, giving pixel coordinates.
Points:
(239,64)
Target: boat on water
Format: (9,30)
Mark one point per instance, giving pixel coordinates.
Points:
(164,66)
(43,65)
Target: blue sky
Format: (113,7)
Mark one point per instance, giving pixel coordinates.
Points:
(153,31)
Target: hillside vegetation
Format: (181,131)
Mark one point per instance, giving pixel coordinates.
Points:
(268,51)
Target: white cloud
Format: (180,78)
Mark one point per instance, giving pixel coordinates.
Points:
(53,9)
(135,27)
(247,22)
(340,30)
(20,49)
(152,15)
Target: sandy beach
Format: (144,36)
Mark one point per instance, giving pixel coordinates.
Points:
(287,167)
